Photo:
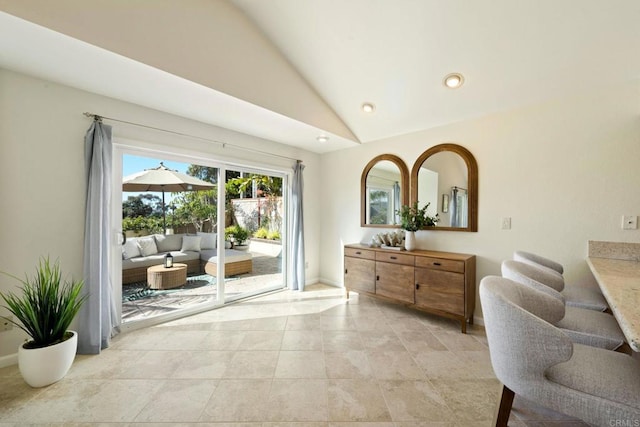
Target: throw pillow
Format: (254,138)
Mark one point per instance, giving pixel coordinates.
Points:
(130,249)
(168,243)
(148,246)
(190,243)
(208,240)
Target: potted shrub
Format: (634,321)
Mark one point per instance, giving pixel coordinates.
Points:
(413,219)
(237,234)
(44,310)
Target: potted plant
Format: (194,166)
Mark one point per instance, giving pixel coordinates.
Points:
(237,234)
(44,310)
(413,219)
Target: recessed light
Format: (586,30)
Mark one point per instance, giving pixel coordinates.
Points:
(453,80)
(322,138)
(368,107)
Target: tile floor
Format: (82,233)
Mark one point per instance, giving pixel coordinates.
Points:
(308,358)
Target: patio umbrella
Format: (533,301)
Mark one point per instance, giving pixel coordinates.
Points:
(163,179)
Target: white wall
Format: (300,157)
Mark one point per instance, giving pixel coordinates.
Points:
(564,171)
(42,173)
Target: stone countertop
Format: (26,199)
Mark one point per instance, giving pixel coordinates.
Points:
(619,281)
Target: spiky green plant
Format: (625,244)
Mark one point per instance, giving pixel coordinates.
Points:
(46,306)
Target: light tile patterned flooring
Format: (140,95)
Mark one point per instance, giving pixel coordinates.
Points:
(308,358)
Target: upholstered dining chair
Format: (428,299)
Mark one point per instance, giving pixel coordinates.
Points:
(583,326)
(584,295)
(538,361)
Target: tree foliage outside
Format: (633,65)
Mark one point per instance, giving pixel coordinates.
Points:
(269,188)
(199,207)
(378,206)
(146,204)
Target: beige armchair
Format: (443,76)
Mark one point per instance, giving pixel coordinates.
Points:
(582,296)
(583,326)
(538,361)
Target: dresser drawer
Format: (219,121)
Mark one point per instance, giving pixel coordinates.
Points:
(395,258)
(440,264)
(359,253)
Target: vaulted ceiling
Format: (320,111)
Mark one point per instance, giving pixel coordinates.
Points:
(291,70)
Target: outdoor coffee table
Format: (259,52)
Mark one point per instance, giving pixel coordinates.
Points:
(159,277)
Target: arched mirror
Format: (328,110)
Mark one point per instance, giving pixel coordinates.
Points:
(384,187)
(446,177)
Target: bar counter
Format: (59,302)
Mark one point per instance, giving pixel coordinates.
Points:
(619,280)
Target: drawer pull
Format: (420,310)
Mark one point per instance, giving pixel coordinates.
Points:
(358,253)
(417,285)
(377,277)
(393,257)
(436,263)
(346,271)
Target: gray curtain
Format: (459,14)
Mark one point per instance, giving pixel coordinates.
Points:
(97,318)
(458,207)
(297,234)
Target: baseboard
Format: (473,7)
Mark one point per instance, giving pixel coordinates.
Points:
(9,360)
(330,282)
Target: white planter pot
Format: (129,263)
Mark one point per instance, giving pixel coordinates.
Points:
(410,240)
(43,366)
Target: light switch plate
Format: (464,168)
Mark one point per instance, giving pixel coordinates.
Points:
(506,223)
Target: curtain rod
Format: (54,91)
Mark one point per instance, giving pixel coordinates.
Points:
(223,144)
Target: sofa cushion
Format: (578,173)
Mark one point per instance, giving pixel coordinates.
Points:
(190,243)
(147,246)
(230,255)
(169,242)
(130,249)
(208,240)
(158,259)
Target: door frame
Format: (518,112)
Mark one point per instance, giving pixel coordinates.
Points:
(122,146)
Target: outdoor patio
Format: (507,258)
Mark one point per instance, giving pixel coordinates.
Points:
(139,302)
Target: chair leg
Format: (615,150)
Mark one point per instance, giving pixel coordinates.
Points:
(504,408)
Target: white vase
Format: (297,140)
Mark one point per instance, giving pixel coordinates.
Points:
(409,240)
(43,366)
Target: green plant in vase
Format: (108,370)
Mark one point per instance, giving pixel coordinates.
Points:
(412,219)
(44,310)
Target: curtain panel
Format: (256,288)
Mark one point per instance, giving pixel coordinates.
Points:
(97,318)
(297,230)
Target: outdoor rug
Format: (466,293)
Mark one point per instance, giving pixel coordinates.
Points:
(140,290)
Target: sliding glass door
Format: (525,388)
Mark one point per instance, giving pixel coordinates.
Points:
(256,214)
(205,218)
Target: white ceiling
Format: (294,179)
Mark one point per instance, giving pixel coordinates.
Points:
(393,53)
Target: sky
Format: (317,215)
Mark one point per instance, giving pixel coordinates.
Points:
(132,164)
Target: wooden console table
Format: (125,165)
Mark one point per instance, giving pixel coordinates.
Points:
(442,283)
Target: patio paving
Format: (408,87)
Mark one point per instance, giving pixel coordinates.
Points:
(200,289)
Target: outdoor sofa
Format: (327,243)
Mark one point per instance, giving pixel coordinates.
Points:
(198,252)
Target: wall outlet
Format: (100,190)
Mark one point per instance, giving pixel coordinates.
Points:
(629,222)
(505,224)
(5,325)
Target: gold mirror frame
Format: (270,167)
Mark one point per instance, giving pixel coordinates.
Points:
(472,182)
(404,187)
